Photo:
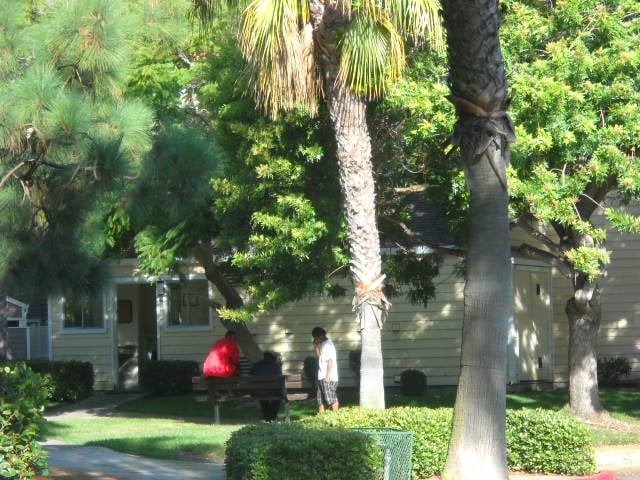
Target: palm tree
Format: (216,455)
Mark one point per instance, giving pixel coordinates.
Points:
(477,447)
(298,51)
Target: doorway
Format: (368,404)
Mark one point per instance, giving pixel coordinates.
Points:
(136,331)
(533,314)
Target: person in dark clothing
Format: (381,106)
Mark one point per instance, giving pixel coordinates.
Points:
(268,366)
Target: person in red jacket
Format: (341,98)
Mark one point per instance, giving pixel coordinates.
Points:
(224,357)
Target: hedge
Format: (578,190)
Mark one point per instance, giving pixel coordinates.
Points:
(539,441)
(167,377)
(71,380)
(299,452)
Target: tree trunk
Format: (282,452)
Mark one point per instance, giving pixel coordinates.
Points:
(477,448)
(584,312)
(248,345)
(348,117)
(5,347)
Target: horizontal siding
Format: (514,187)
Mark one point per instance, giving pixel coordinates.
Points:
(95,348)
(413,337)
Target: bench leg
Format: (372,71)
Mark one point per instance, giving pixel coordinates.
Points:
(216,413)
(287,415)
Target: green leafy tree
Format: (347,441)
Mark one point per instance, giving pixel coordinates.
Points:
(255,209)
(350,52)
(68,137)
(576,71)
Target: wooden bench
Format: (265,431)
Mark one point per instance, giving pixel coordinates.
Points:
(221,390)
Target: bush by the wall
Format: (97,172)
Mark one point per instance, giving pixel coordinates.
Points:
(71,380)
(167,377)
(296,452)
(413,383)
(543,441)
(532,437)
(23,395)
(612,369)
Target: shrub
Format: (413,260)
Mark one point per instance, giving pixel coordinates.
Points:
(167,377)
(310,370)
(611,369)
(543,441)
(431,430)
(296,452)
(71,380)
(537,440)
(413,383)
(23,394)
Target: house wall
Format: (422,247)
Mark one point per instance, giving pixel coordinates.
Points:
(620,296)
(95,346)
(427,339)
(620,328)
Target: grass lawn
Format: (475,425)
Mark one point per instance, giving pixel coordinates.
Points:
(193,436)
(147,436)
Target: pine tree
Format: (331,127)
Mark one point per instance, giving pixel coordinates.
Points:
(68,137)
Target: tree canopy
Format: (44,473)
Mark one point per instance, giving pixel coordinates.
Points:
(68,136)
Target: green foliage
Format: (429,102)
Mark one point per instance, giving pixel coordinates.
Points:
(277,205)
(23,395)
(297,452)
(537,440)
(612,369)
(413,382)
(575,70)
(431,430)
(170,204)
(70,380)
(68,137)
(543,442)
(167,377)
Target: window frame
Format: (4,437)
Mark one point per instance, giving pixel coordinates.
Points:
(169,283)
(84,330)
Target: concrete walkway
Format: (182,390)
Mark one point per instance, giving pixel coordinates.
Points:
(100,462)
(615,462)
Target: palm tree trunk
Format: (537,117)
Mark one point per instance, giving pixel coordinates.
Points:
(477,448)
(584,312)
(348,117)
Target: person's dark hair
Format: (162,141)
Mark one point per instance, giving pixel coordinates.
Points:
(269,356)
(318,332)
(230,333)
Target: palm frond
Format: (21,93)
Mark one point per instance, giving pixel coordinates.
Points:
(276,40)
(417,19)
(372,56)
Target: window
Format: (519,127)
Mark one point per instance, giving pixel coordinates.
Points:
(83,311)
(189,303)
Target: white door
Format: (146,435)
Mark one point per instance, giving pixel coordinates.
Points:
(532,308)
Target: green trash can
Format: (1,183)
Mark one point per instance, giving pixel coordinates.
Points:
(397,447)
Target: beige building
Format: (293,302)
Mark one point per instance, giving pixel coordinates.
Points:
(170,318)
